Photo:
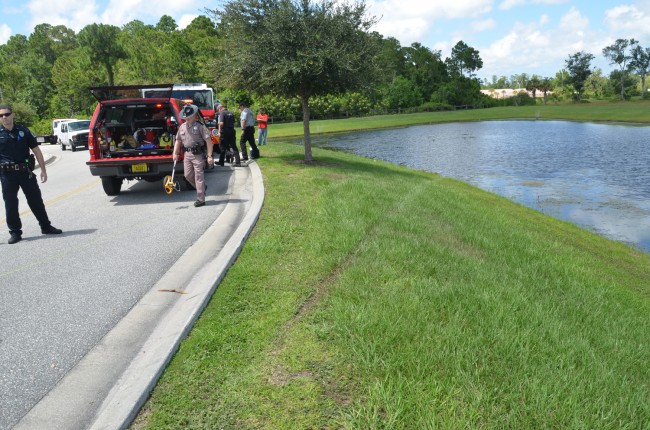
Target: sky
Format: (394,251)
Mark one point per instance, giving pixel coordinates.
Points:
(512,36)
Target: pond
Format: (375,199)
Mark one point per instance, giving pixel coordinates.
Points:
(594,175)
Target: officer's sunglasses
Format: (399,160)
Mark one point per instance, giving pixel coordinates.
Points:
(5,115)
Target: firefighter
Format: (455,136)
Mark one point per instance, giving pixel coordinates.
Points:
(16,165)
(193,138)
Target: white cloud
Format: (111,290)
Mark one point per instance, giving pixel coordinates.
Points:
(479,26)
(77,14)
(415,22)
(185,20)
(530,47)
(543,20)
(628,21)
(509,4)
(74,14)
(5,33)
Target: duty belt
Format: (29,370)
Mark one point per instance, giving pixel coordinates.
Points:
(14,167)
(193,149)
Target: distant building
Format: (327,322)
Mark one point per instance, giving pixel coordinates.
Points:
(505,93)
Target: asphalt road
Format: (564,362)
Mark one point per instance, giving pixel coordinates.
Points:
(61,295)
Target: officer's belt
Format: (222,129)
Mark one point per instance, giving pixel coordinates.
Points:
(196,149)
(14,167)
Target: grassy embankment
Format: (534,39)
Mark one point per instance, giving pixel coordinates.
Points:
(375,296)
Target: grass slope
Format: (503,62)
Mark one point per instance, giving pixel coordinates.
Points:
(375,296)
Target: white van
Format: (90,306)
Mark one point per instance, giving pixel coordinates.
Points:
(56,127)
(74,133)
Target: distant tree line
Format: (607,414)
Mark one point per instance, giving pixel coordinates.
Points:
(46,74)
(579,81)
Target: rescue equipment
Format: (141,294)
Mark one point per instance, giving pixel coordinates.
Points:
(166,140)
(169,183)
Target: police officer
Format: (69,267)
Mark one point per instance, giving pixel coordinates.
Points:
(191,137)
(16,172)
(227,135)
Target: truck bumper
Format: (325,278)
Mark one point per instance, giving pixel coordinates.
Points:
(134,170)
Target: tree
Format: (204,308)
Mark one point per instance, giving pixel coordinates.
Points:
(51,42)
(390,58)
(202,36)
(578,66)
(100,42)
(629,82)
(166,24)
(598,84)
(13,78)
(143,47)
(533,85)
(402,93)
(464,59)
(640,63)
(498,82)
(545,86)
(519,81)
(72,74)
(297,48)
(618,53)
(424,68)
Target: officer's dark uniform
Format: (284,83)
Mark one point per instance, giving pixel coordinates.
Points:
(227,137)
(15,173)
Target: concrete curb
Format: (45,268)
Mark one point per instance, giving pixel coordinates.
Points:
(48,158)
(107,388)
(132,390)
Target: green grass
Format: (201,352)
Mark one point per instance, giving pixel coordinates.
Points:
(372,296)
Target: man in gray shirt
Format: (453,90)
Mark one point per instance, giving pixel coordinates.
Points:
(247,132)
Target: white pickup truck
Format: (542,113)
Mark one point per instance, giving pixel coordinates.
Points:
(73,133)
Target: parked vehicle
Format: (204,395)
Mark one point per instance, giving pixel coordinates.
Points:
(56,124)
(74,134)
(132,137)
(50,139)
(197,94)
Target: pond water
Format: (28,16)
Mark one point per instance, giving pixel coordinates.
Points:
(594,175)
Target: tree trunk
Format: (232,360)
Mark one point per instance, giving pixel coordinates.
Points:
(109,72)
(622,85)
(642,86)
(305,125)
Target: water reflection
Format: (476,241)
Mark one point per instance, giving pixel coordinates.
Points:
(594,175)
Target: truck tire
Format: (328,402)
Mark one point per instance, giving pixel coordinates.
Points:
(62,145)
(112,185)
(72,147)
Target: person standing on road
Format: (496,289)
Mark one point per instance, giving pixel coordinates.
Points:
(16,165)
(191,138)
(227,135)
(262,127)
(247,132)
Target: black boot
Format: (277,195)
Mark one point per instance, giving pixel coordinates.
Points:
(50,229)
(14,238)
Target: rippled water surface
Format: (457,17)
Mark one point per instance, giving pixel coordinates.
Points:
(593,175)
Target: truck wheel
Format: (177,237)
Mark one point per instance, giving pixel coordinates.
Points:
(112,185)
(72,147)
(62,146)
